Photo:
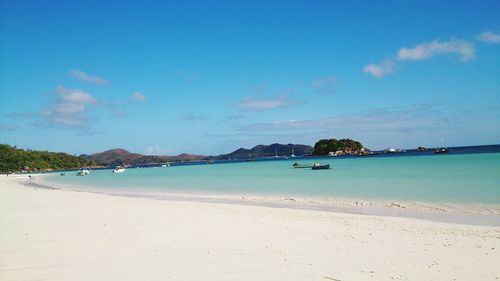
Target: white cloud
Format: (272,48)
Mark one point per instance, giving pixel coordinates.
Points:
(69,109)
(465,50)
(324,86)
(75,96)
(488,37)
(137,97)
(381,69)
(84,77)
(252,104)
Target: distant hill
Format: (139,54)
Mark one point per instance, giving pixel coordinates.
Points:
(13,159)
(118,156)
(261,151)
(115,157)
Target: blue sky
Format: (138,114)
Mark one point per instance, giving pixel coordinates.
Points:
(208,77)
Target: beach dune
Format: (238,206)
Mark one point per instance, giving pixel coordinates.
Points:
(66,235)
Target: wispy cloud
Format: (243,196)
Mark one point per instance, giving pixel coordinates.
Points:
(254,104)
(84,77)
(75,96)
(488,37)
(156,150)
(137,97)
(6,127)
(374,120)
(465,50)
(195,117)
(381,69)
(421,124)
(324,86)
(69,108)
(237,116)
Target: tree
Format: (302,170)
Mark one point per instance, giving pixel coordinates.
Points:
(13,159)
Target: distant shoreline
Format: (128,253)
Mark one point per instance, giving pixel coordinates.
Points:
(490,148)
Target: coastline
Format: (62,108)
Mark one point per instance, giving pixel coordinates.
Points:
(461,213)
(60,234)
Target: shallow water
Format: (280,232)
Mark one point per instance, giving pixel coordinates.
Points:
(460,178)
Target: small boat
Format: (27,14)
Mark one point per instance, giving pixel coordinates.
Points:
(390,150)
(394,150)
(83,172)
(165,165)
(293,152)
(118,170)
(319,166)
(298,165)
(441,150)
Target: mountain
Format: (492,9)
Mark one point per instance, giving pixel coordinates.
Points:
(118,156)
(114,155)
(261,151)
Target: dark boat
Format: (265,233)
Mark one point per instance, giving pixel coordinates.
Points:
(441,150)
(298,165)
(318,166)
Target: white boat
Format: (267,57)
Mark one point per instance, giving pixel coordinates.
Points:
(293,152)
(165,165)
(119,170)
(83,172)
(391,150)
(394,150)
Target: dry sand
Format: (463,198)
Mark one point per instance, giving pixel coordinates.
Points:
(67,235)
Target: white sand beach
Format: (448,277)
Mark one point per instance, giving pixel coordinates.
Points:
(66,235)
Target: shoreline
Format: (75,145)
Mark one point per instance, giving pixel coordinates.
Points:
(462,213)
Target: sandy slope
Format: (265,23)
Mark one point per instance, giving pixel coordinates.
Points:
(65,235)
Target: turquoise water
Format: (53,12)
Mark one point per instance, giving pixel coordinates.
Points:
(466,178)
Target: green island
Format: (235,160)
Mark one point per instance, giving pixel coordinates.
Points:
(338,147)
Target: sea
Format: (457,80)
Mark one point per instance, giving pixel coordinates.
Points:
(465,175)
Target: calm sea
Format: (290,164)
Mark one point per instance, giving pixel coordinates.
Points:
(459,177)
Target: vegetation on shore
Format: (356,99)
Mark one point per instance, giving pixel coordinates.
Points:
(345,146)
(13,159)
